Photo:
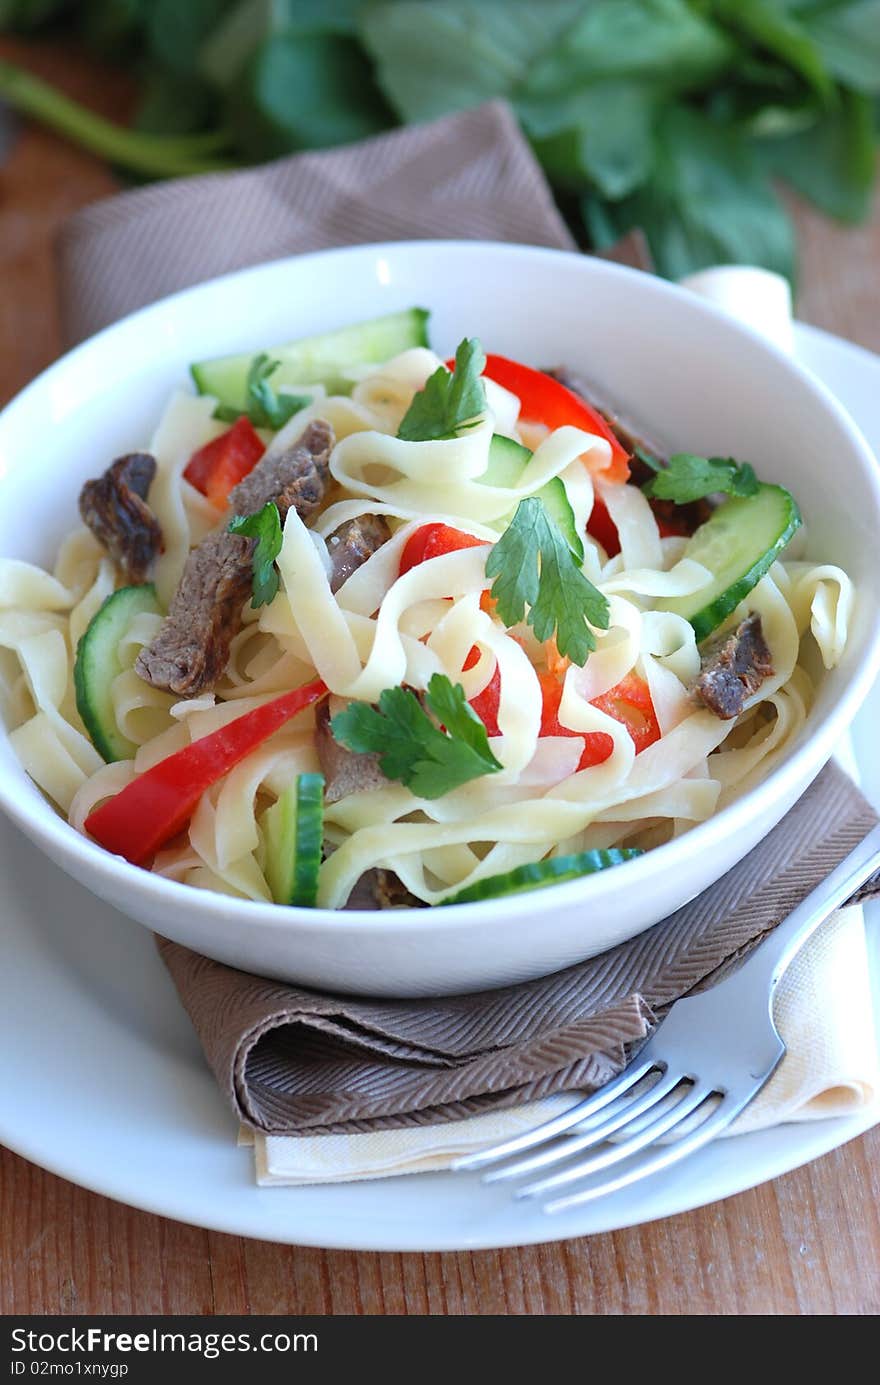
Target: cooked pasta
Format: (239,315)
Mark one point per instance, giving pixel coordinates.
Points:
(392,624)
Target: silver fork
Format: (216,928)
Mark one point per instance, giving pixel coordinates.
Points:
(710,1056)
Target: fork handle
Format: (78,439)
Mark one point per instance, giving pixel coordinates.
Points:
(780,947)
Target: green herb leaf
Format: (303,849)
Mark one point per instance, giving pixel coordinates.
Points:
(248,23)
(534,567)
(766,22)
(265,527)
(689,478)
(175,32)
(709,201)
(304,91)
(847,34)
(450,400)
(412,748)
(666,41)
(601,134)
(265,408)
(834,162)
(435,58)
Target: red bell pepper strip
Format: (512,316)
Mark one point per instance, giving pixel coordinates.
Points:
(628,702)
(157,805)
(433,541)
(223,462)
(602,528)
(485,704)
(544,400)
(597,745)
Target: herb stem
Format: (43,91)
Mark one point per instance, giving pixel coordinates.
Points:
(162,156)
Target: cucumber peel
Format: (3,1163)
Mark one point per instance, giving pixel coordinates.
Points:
(738,544)
(97,664)
(319,360)
(507,461)
(294,836)
(536,874)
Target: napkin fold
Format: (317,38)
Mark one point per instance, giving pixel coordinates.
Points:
(831,1068)
(334,1088)
(295,1061)
(470,175)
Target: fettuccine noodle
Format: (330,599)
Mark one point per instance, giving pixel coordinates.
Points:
(382,629)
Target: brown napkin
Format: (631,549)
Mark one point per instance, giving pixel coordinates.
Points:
(468,176)
(293,1060)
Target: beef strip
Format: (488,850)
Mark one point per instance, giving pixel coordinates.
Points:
(682,519)
(114,507)
(734,667)
(191,650)
(345,771)
(295,478)
(382,889)
(352,544)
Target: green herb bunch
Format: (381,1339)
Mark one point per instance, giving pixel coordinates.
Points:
(674,115)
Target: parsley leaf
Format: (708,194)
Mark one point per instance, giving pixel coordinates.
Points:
(690,478)
(534,566)
(265,527)
(450,399)
(411,747)
(265,408)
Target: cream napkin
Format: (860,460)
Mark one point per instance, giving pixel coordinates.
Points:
(823,1007)
(823,1012)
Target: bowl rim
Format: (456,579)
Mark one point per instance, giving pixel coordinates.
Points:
(53,833)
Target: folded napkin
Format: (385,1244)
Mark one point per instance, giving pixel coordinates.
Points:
(469,175)
(371,1087)
(831,1068)
(293,1060)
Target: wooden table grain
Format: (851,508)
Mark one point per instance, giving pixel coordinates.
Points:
(807,1243)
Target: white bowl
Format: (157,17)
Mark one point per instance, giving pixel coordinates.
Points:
(693,377)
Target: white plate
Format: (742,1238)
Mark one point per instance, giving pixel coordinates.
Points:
(106,1085)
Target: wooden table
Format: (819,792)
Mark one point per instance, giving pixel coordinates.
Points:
(807,1243)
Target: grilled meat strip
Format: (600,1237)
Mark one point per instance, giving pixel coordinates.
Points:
(295,478)
(382,889)
(734,667)
(345,771)
(191,650)
(114,507)
(352,544)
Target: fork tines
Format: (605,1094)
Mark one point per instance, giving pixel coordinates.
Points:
(646,1103)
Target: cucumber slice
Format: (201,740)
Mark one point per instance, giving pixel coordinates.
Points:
(740,542)
(540,873)
(321,360)
(507,462)
(294,835)
(97,664)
